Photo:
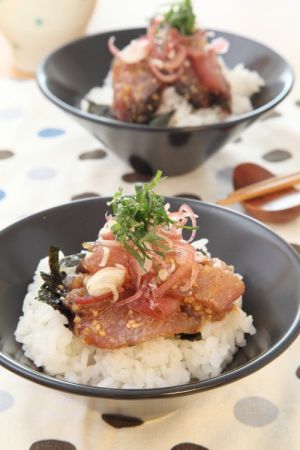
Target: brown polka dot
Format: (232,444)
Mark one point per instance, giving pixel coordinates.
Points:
(188,446)
(296,247)
(271,115)
(136,177)
(4,154)
(85,195)
(119,421)
(192,196)
(298,372)
(140,165)
(237,140)
(297,102)
(277,155)
(52,444)
(93,154)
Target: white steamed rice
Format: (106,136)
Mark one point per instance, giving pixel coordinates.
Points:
(157,363)
(244,83)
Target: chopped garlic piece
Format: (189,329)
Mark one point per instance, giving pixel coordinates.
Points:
(105,280)
(105,256)
(163,274)
(107,227)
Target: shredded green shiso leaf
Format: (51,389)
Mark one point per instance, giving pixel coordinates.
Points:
(181,17)
(137,218)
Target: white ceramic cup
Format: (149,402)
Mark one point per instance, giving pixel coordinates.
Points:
(36,27)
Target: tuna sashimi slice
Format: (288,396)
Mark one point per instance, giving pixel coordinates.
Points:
(210,75)
(216,288)
(116,326)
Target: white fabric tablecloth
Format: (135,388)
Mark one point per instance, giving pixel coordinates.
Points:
(47,159)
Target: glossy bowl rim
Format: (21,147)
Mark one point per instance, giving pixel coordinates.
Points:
(114,123)
(163,392)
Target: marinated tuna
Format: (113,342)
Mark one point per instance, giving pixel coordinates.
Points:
(174,52)
(140,279)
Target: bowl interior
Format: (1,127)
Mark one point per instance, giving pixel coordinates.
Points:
(270,268)
(70,72)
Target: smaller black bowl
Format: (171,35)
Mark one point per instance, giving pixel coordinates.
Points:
(69,73)
(271,271)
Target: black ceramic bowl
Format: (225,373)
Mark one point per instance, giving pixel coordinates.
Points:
(69,73)
(271,271)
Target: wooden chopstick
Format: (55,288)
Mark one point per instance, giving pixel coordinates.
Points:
(264,187)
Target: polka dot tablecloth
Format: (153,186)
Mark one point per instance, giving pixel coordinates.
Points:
(47,159)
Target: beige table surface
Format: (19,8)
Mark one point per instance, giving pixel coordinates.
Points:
(259,412)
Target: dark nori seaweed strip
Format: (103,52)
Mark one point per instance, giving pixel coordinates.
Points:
(53,291)
(161,119)
(72,260)
(189,337)
(99,110)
